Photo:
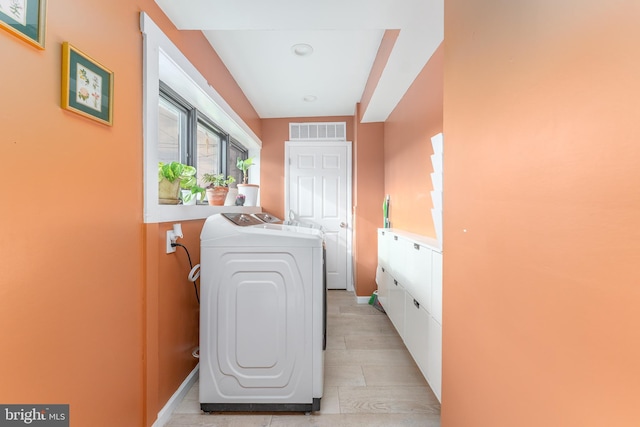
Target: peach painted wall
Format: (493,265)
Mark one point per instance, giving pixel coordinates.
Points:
(407,149)
(171,314)
(78,265)
(368,196)
(541,208)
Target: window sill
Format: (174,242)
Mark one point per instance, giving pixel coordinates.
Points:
(171,213)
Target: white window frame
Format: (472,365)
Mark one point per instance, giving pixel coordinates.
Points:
(162,60)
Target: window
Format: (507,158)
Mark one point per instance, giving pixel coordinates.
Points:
(235,152)
(187,135)
(172,127)
(164,62)
(209,146)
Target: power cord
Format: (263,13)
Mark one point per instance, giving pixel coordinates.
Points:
(192,278)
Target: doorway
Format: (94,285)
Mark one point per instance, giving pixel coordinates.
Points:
(318,191)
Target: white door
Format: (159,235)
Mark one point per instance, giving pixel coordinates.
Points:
(318,191)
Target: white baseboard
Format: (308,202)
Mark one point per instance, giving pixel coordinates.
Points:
(165,413)
(363,300)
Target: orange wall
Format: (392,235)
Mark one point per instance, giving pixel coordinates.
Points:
(178,311)
(368,196)
(407,149)
(542,171)
(86,289)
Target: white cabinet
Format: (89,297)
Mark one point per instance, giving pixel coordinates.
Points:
(410,290)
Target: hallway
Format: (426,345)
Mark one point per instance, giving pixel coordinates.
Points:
(370,379)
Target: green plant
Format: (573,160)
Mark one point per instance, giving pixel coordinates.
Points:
(217,180)
(244,166)
(176,170)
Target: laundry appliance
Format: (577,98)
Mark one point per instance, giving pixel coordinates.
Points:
(262,315)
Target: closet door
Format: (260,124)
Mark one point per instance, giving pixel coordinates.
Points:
(318,191)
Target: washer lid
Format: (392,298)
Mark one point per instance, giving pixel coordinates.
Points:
(220,230)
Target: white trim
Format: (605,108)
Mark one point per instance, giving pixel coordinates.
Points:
(174,401)
(348,145)
(362,300)
(169,213)
(162,60)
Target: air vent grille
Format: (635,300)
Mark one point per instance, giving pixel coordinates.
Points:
(336,131)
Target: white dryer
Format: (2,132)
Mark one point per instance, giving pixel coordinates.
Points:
(261,316)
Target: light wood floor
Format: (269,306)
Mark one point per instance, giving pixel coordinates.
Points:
(370,379)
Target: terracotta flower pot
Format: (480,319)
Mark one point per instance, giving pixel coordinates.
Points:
(217,195)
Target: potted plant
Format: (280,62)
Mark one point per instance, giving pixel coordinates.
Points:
(218,187)
(171,176)
(250,191)
(191,193)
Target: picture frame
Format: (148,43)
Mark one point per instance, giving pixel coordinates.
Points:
(87,85)
(25,19)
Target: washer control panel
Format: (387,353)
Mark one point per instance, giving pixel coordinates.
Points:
(242,219)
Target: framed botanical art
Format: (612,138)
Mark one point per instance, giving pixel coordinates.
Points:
(24,18)
(87,86)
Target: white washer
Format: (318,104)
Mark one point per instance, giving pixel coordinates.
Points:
(261,316)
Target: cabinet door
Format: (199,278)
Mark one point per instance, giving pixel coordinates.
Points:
(416,329)
(384,236)
(419,278)
(436,286)
(397,257)
(434,356)
(396,305)
(383,287)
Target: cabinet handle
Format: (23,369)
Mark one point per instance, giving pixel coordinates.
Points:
(383,269)
(395,282)
(382,233)
(416,303)
(395,237)
(416,246)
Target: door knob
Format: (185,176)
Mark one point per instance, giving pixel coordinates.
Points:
(343,225)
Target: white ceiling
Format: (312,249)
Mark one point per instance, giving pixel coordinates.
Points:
(254,39)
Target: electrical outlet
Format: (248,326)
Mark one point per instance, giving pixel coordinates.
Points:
(171,238)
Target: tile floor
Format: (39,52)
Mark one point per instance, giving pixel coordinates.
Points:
(370,379)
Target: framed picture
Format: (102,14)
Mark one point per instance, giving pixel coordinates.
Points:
(24,18)
(87,86)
